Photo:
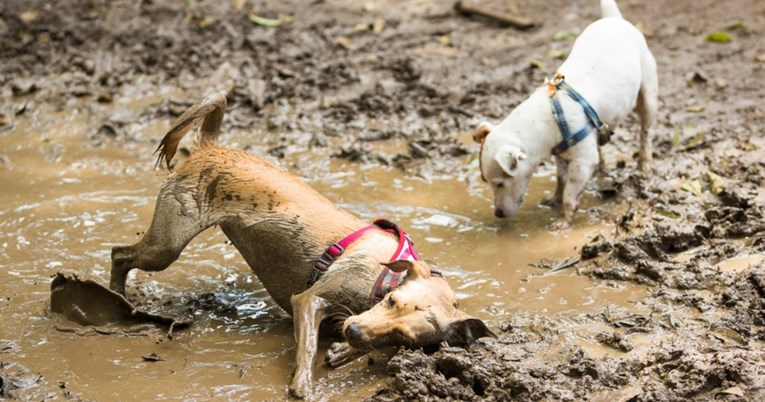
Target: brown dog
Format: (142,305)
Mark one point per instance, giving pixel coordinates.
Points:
(287,233)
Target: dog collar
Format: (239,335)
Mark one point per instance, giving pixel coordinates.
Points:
(594,123)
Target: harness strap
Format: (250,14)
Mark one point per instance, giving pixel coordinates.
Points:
(333,252)
(555,85)
(388,279)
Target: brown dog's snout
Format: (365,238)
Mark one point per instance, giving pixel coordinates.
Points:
(353,333)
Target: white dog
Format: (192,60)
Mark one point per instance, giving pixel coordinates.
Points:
(609,72)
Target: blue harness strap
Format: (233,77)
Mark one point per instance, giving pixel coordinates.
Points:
(593,121)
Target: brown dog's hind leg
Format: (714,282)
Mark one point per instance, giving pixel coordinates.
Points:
(172,228)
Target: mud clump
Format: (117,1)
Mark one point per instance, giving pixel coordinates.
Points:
(92,306)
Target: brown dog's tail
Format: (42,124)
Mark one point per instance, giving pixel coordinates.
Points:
(211,108)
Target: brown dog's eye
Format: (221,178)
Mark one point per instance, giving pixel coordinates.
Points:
(500,185)
(391,302)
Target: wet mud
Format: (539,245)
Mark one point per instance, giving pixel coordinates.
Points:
(372,104)
(96,309)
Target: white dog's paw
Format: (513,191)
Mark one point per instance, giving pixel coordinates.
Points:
(559,224)
(552,202)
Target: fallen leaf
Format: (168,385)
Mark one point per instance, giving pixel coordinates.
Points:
(760,57)
(370,6)
(346,43)
(557,54)
(239,5)
(563,35)
(716,183)
(25,37)
(694,142)
(736,26)
(645,30)
(698,77)
(733,391)
(676,137)
(693,187)
(285,17)
(536,63)
(266,22)
(489,61)
(29,16)
(438,51)
(152,357)
(667,213)
(719,37)
(444,40)
(696,108)
(378,25)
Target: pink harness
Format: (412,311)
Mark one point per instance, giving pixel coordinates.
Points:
(387,280)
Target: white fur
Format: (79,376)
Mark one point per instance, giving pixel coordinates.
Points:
(611,67)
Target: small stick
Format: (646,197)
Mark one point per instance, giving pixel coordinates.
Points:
(565,264)
(463,7)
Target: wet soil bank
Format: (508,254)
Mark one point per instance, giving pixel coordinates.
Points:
(399,83)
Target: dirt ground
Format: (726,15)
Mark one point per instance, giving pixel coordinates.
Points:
(357,77)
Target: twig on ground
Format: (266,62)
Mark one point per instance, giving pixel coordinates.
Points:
(465,8)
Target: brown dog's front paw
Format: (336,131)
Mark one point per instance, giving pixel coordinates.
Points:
(340,353)
(300,387)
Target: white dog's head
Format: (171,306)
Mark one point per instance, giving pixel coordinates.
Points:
(506,168)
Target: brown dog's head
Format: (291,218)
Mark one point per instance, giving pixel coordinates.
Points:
(421,311)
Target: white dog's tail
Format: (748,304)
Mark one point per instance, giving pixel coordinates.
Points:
(609,9)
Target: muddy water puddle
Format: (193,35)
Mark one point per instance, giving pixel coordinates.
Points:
(65,203)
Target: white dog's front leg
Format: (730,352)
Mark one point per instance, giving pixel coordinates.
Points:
(307,311)
(579,173)
(556,199)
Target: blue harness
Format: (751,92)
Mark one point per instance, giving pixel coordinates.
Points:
(593,121)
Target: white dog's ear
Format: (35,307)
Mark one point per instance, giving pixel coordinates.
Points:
(480,133)
(508,157)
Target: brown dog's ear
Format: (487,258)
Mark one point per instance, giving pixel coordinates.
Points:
(399,265)
(465,332)
(480,133)
(415,269)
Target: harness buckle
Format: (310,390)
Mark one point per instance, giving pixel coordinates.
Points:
(553,84)
(604,134)
(327,258)
(320,267)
